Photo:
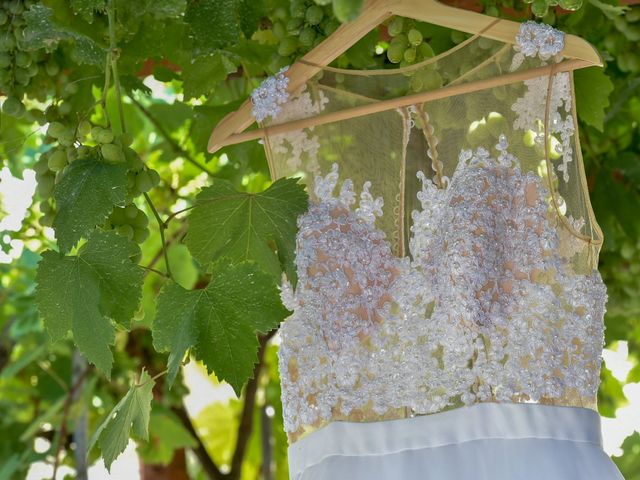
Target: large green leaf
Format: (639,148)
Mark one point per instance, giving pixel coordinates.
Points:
(85,197)
(84,293)
(219,323)
(593,88)
(245,226)
(133,410)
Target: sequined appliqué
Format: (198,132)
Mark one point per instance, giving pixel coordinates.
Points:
(484,309)
(268,97)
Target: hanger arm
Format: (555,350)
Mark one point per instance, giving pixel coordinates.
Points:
(373,13)
(432,11)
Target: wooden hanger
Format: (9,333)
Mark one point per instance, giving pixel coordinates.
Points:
(229,130)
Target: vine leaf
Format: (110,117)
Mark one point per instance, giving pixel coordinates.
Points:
(245,226)
(85,197)
(41,32)
(221,13)
(219,323)
(133,410)
(82,293)
(591,108)
(201,75)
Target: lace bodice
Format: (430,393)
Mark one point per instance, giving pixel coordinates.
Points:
(429,279)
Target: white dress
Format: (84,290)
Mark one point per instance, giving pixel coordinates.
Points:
(447,310)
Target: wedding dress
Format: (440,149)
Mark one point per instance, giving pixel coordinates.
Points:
(447,315)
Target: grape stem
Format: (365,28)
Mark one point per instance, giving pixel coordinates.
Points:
(113,56)
(151,269)
(161,226)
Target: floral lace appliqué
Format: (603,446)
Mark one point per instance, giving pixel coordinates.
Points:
(536,39)
(484,309)
(531,109)
(268,97)
(299,145)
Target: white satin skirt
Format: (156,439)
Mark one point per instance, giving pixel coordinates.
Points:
(486,441)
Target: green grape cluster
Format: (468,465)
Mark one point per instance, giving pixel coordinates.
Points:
(408,47)
(35,73)
(301,27)
(622,41)
(130,222)
(86,140)
(540,8)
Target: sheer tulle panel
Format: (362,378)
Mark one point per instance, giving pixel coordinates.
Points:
(449,253)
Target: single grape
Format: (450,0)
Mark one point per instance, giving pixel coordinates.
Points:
(395,52)
(125,231)
(143,181)
(141,220)
(112,153)
(3,17)
(297,8)
(84,128)
(314,15)
(410,55)
(13,107)
(395,26)
(287,46)
(52,68)
(346,10)
(539,8)
(56,129)
(279,30)
(117,216)
(307,36)
(131,211)
(23,59)
(21,76)
(294,25)
(57,161)
(425,50)
(329,27)
(67,138)
(154,176)
(133,159)
(280,13)
(7,43)
(105,136)
(415,37)
(140,235)
(571,5)
(5,59)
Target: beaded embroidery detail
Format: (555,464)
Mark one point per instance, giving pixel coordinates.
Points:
(484,309)
(530,111)
(538,39)
(300,145)
(268,97)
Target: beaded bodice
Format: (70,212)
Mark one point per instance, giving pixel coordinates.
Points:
(429,279)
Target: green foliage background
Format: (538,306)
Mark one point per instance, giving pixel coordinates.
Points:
(92,322)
